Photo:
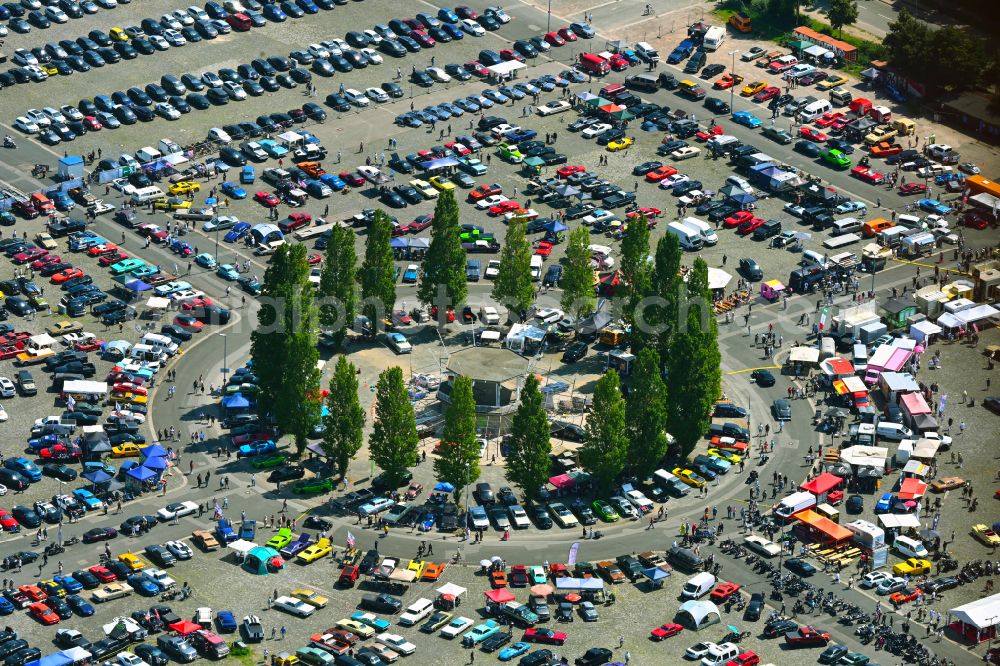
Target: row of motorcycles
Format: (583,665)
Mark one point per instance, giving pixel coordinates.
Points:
(900,644)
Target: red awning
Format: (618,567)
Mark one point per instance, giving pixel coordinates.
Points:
(822,484)
(912,488)
(185,627)
(840,366)
(562,481)
(501,595)
(915,404)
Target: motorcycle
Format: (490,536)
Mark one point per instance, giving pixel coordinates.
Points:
(8,142)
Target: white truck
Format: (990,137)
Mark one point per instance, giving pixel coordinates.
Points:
(688,238)
(707,233)
(714,37)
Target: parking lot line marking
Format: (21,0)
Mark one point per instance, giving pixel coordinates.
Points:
(762,367)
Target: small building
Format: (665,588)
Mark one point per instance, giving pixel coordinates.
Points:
(898,310)
(840,48)
(496,375)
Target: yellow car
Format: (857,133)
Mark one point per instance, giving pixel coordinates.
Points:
(132,561)
(620,144)
(128,396)
(45,240)
(417,566)
(125,450)
(118,35)
(912,567)
(184,187)
(311,597)
(319,549)
(728,456)
(63,328)
(173,203)
(425,189)
(753,88)
(50,69)
(689,477)
(52,588)
(986,535)
(832,81)
(442,183)
(356,628)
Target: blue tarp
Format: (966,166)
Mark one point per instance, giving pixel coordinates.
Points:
(555,227)
(591,584)
(153,451)
(142,473)
(397,242)
(655,573)
(157,463)
(444,487)
(97,476)
(57,659)
(235,401)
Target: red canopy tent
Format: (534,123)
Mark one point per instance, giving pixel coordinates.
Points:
(501,595)
(562,481)
(822,485)
(185,627)
(912,489)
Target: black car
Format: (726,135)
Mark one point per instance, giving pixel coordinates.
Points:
(583,512)
(762,377)
(941,584)
(26,516)
(800,566)
(381,603)
(855,504)
(99,534)
(807,148)
(57,471)
(173,331)
(568,431)
(140,522)
(540,515)
(777,628)
(87,579)
(594,657)
(755,607)
(832,654)
(574,352)
(160,555)
(286,473)
(750,269)
(151,654)
(495,642)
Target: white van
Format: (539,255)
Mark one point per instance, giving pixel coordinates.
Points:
(909,547)
(720,654)
(688,238)
(893,431)
(814,110)
(860,358)
(799,501)
(147,154)
(145,194)
(698,586)
(536,267)
(160,342)
(416,612)
(814,257)
(848,225)
(707,233)
(646,52)
(147,353)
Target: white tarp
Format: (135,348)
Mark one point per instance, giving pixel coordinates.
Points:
(804,355)
(241,547)
(452,589)
(505,69)
(891,520)
(872,456)
(85,387)
(158,303)
(702,613)
(578,584)
(926,449)
(981,614)
(718,278)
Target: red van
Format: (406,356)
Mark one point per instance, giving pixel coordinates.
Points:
(239,21)
(594,64)
(612,90)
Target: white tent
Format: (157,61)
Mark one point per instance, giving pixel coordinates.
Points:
(698,614)
(804,355)
(241,547)
(158,303)
(891,520)
(926,448)
(505,70)
(923,329)
(981,614)
(457,591)
(718,278)
(872,456)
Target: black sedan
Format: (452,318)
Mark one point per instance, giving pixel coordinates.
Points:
(99,534)
(800,566)
(755,607)
(87,579)
(646,167)
(61,472)
(807,148)
(574,352)
(762,377)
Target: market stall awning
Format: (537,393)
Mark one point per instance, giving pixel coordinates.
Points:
(403,575)
(585,96)
(872,456)
(850,385)
(158,303)
(822,484)
(450,588)
(981,614)
(912,488)
(897,520)
(915,404)
(926,449)
(804,355)
(837,366)
(501,595)
(598,102)
(561,481)
(156,463)
(534,161)
(829,529)
(235,401)
(718,278)
(503,69)
(241,547)
(185,627)
(141,473)
(655,573)
(153,451)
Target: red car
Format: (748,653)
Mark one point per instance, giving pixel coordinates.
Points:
(738,218)
(975,219)
(458,148)
(750,226)
(567,33)
(747,658)
(450,314)
(665,631)
(29,255)
(33,592)
(267,199)
(812,134)
(188,323)
(43,614)
(905,595)
(25,209)
(618,62)
(92,124)
(420,223)
(828,119)
(62,452)
(109,259)
(103,573)
(724,591)
(555,39)
(504,207)
(476,68)
(569,170)
(67,274)
(806,637)
(706,134)
(656,175)
(92,345)
(103,248)
(314,259)
(542,635)
(425,40)
(7,521)
(649,212)
(352,178)
(543,249)
(510,54)
(766,94)
(868,175)
(46,259)
(129,387)
(912,188)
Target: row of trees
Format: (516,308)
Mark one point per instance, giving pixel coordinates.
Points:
(947,57)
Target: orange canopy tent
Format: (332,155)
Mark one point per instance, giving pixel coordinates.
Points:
(912,489)
(822,528)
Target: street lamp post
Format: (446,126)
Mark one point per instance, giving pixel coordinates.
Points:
(225,358)
(732,88)
(548,18)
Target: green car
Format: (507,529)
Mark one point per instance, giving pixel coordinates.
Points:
(267,462)
(510,153)
(854,659)
(836,158)
(281,539)
(605,511)
(473,236)
(126,265)
(312,486)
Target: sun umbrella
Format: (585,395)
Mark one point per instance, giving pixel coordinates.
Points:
(496,558)
(573,598)
(542,590)
(484,563)
(611,108)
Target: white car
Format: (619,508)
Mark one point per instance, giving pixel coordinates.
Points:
(456,626)
(487,202)
(38,117)
(594,130)
(492,269)
(699,650)
(170,21)
(234,90)
(553,107)
(211,79)
(598,215)
(398,343)
(385,653)
(472,28)
(503,130)
(177,510)
(254,151)
(333,47)
(26,125)
(174,37)
(374,57)
(638,500)
(219,134)
(355,97)
(198,13)
(870,580)
(426,381)
(24,57)
(56,15)
(71,112)
(167,110)
(675,179)
(160,577)
(489,315)
(373,37)
(179,549)
(159,42)
(549,315)
(377,95)
(397,643)
(108,4)
(6,388)
(685,153)
(203,616)
(497,12)
(518,517)
(294,606)
(129,659)
(439,74)
(3,418)
(318,51)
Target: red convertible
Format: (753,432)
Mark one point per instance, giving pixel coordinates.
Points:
(61,452)
(867,174)
(483,191)
(812,134)
(108,259)
(267,199)
(542,635)
(750,226)
(89,345)
(807,637)
(569,170)
(738,218)
(724,591)
(649,212)
(912,188)
(665,631)
(905,595)
(543,249)
(706,134)
(728,81)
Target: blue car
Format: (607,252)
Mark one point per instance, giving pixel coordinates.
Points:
(205,260)
(224,530)
(247,175)
(934,206)
(44,442)
(71,584)
(248,529)
(241,229)
(520,135)
(448,16)
(25,468)
(6,607)
(226,621)
(273,13)
(884,503)
(143,585)
(333,181)
(945,178)
(227,272)
(144,271)
(453,31)
(80,605)
(410,274)
(231,189)
(515,650)
(748,119)
(257,448)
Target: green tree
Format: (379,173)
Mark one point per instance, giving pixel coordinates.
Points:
(605,447)
(660,316)
(578,296)
(444,263)
(338,285)
(269,335)
(345,423)
(457,461)
(636,274)
(908,41)
(393,442)
(841,13)
(646,417)
(962,52)
(512,286)
(528,462)
(694,381)
(378,284)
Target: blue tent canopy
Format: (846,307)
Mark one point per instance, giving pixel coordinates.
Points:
(153,451)
(655,574)
(397,242)
(157,463)
(137,285)
(57,659)
(744,199)
(555,226)
(142,473)
(235,401)
(97,476)
(444,487)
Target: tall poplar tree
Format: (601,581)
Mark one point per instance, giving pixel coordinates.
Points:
(378,284)
(338,288)
(578,297)
(529,447)
(646,417)
(512,286)
(393,442)
(345,423)
(636,274)
(605,447)
(457,460)
(444,263)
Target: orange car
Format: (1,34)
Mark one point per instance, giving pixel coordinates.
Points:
(728,81)
(66,275)
(729,444)
(656,175)
(885,149)
(433,571)
(905,595)
(498,579)
(34,592)
(43,614)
